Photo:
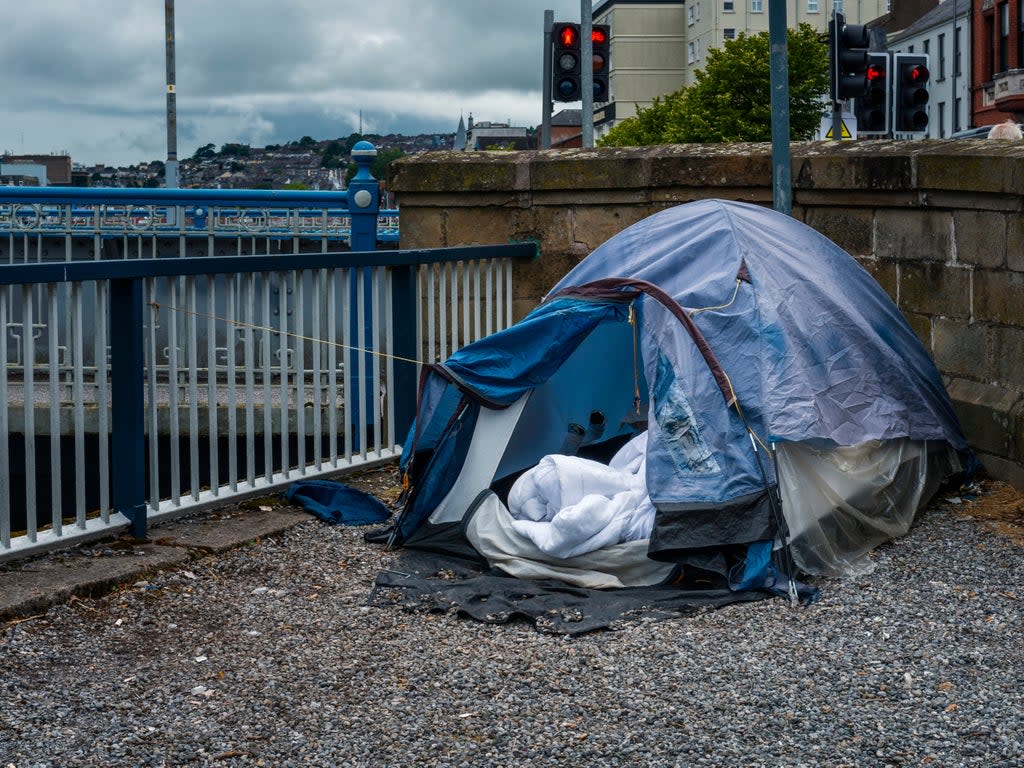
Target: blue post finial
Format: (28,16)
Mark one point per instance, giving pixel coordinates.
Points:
(363,154)
(363,198)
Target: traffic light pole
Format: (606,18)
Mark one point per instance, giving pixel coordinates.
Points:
(837,106)
(546,105)
(782,174)
(587,72)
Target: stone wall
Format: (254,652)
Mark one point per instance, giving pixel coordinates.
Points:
(938,224)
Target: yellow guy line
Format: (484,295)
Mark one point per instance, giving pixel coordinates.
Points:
(239,324)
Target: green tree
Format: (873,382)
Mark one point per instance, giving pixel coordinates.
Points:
(334,155)
(207,150)
(379,168)
(351,141)
(234,150)
(731,98)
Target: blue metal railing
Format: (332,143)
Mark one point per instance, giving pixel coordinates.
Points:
(85,217)
(284,383)
(185,346)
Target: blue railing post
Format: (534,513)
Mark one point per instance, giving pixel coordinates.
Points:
(363,198)
(404,307)
(363,206)
(128,474)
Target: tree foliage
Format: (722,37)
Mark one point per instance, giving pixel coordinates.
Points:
(731,98)
(379,167)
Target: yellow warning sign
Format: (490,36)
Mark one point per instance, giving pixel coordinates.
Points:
(844,132)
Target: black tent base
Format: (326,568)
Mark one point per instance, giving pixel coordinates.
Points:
(428,581)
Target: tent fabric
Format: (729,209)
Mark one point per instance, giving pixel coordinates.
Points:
(337,503)
(552,605)
(835,358)
(786,404)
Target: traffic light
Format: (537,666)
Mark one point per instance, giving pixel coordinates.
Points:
(565,62)
(872,109)
(848,45)
(910,96)
(600,37)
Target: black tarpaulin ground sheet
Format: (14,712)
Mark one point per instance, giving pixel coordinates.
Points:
(432,582)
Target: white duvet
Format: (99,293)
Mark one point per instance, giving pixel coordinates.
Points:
(569,506)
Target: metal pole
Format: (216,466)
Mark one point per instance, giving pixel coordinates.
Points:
(587,72)
(545,108)
(782,192)
(838,20)
(955,111)
(171,168)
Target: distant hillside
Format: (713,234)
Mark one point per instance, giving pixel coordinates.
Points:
(302,164)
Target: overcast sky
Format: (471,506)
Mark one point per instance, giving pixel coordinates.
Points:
(89,76)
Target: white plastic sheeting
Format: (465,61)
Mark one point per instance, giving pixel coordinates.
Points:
(840,503)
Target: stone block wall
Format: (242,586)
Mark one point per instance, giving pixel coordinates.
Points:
(938,224)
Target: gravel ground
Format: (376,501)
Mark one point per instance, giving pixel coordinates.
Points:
(269,656)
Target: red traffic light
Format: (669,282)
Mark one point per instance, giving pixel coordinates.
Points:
(875,73)
(918,74)
(598,35)
(568,36)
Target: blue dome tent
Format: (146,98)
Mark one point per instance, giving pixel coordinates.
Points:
(719,367)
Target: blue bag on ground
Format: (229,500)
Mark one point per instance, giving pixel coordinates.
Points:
(335,502)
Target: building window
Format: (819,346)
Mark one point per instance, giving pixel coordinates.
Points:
(927,46)
(692,51)
(728,6)
(1004,37)
(942,57)
(729,33)
(757,6)
(691,15)
(942,119)
(956,53)
(812,6)
(956,114)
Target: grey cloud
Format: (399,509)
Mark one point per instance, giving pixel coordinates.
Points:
(263,70)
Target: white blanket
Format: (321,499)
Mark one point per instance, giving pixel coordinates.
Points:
(568,506)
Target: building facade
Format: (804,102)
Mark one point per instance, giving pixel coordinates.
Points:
(657,47)
(944,35)
(997,61)
(648,55)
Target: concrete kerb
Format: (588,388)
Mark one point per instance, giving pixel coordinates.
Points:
(31,587)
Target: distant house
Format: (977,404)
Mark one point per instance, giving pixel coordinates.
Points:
(567,129)
(942,33)
(58,167)
(487,135)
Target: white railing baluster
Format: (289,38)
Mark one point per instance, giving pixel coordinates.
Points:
(316,304)
(152,367)
(103,393)
(28,362)
(5,422)
(332,365)
(349,356)
(77,395)
(212,398)
(193,385)
(299,304)
(231,299)
(248,354)
(172,389)
(268,413)
(282,312)
(53,389)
